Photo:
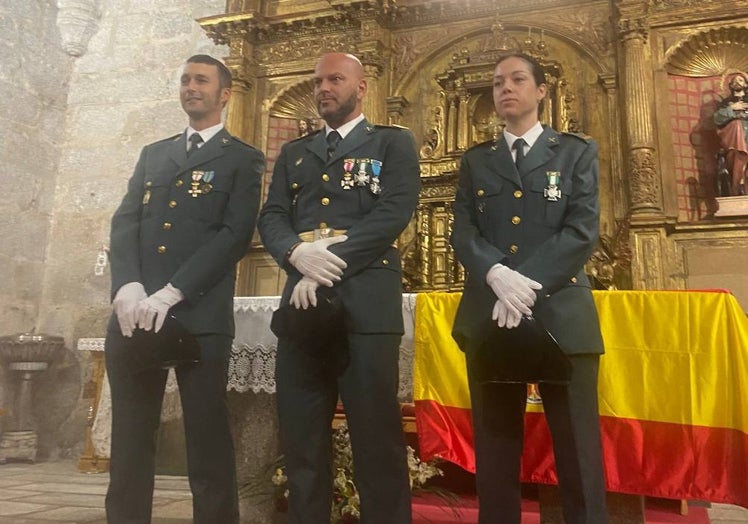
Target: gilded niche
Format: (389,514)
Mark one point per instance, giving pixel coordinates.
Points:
(462,114)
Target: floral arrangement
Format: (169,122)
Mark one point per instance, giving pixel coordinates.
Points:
(346,504)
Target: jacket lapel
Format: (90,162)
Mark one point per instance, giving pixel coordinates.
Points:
(501,162)
(541,152)
(212,149)
(178,150)
(354,139)
(317,144)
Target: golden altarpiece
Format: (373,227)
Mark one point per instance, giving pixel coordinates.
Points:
(640,76)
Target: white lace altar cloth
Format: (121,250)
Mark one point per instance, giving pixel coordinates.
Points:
(252,364)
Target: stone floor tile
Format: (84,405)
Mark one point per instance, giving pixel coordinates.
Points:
(67,487)
(9,507)
(65,499)
(14,494)
(180,509)
(68,514)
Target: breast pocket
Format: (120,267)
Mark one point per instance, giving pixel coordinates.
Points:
(488,204)
(209,195)
(156,197)
(216,197)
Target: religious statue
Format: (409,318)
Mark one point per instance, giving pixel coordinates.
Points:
(306,126)
(731,118)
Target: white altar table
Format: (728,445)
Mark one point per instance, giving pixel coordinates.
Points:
(252,364)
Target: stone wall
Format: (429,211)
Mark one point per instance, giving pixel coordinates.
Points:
(79,112)
(34,77)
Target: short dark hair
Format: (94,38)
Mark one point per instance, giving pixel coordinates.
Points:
(537,70)
(224,75)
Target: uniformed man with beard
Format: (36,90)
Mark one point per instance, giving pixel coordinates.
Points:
(338,200)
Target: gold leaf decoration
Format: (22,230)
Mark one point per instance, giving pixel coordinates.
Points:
(296,102)
(711,53)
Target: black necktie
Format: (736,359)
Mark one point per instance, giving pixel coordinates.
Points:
(195,141)
(519,147)
(333,139)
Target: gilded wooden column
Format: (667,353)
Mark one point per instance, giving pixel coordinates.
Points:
(237,110)
(396,106)
(619,198)
(452,127)
(463,123)
(374,105)
(638,90)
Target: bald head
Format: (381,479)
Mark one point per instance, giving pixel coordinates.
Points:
(339,88)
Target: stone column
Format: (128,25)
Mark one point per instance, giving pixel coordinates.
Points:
(638,90)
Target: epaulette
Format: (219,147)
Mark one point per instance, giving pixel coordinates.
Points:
(580,136)
(386,126)
(303,137)
(242,142)
(490,142)
(169,139)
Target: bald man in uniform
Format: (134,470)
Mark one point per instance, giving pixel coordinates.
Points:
(338,200)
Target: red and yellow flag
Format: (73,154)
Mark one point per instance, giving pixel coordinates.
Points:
(673,390)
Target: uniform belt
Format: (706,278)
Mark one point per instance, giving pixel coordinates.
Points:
(327,232)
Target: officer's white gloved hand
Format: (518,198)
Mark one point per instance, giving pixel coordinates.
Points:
(504,316)
(515,291)
(152,310)
(313,260)
(304,293)
(125,305)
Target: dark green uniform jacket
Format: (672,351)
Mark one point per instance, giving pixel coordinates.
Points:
(307,193)
(188,222)
(506,216)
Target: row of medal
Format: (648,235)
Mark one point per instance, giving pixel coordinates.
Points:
(362,172)
(201,183)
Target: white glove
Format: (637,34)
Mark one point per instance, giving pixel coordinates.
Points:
(125,305)
(515,291)
(505,317)
(156,306)
(314,260)
(304,293)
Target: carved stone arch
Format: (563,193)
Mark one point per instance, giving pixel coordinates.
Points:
(717,52)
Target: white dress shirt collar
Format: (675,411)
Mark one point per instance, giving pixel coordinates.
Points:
(531,136)
(345,128)
(206,134)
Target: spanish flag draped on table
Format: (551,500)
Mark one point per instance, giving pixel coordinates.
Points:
(673,390)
